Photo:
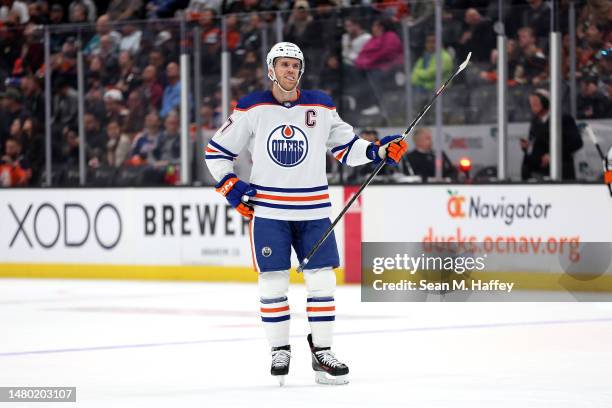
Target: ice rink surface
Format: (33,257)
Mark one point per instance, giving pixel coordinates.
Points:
(166,344)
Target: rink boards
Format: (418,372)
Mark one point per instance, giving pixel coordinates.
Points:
(191,234)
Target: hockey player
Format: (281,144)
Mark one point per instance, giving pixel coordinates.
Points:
(288,132)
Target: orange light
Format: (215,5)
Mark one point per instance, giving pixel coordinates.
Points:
(465,164)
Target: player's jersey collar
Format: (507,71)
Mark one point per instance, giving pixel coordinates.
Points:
(288,104)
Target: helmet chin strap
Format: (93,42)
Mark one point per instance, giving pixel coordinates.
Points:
(275,81)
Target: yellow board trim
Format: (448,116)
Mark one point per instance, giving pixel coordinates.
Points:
(141,272)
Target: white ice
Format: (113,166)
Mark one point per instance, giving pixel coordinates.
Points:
(166,344)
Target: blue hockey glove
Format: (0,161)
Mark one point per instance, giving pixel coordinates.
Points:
(389,148)
(232,188)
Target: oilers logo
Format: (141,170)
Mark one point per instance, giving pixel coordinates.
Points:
(287,145)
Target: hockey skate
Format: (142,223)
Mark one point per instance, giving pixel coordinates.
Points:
(281,357)
(328,370)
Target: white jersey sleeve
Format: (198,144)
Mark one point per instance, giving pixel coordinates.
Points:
(344,145)
(227,143)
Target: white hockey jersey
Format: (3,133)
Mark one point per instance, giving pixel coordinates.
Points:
(288,144)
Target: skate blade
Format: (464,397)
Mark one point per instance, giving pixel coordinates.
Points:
(323,378)
(281,379)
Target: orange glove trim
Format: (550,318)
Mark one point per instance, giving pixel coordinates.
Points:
(227,186)
(245,211)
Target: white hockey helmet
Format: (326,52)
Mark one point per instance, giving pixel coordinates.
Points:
(284,49)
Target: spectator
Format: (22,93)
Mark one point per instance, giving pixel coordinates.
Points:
(157,59)
(39,13)
(394,9)
(171,99)
(10,47)
(330,77)
(379,57)
(251,33)
(94,136)
(299,20)
(15,130)
(490,75)
(11,6)
(478,37)
(65,106)
(107,51)
(323,33)
(353,40)
(78,13)
(113,104)
(131,39)
(91,10)
(592,103)
(68,154)
(129,75)
(65,60)
(164,8)
(207,117)
(96,75)
(424,70)
(103,28)
(13,110)
(32,52)
(56,16)
(589,51)
(248,77)
(536,160)
(146,142)
(14,170)
(34,100)
(124,9)
(134,122)
(151,90)
(211,33)
(603,65)
(241,6)
(33,148)
(211,50)
(118,144)
(537,16)
(531,67)
(166,43)
(422,160)
(197,6)
(232,37)
(168,150)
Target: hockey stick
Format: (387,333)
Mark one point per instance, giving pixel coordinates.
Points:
(604,159)
(380,165)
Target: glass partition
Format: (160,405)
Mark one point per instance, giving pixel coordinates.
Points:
(114,86)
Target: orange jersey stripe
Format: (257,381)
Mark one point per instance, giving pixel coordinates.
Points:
(317,105)
(208,149)
(274,309)
(257,104)
(298,198)
(321,308)
(340,155)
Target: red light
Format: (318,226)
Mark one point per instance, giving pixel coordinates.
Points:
(465,164)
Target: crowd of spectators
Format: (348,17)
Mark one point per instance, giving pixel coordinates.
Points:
(354,51)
